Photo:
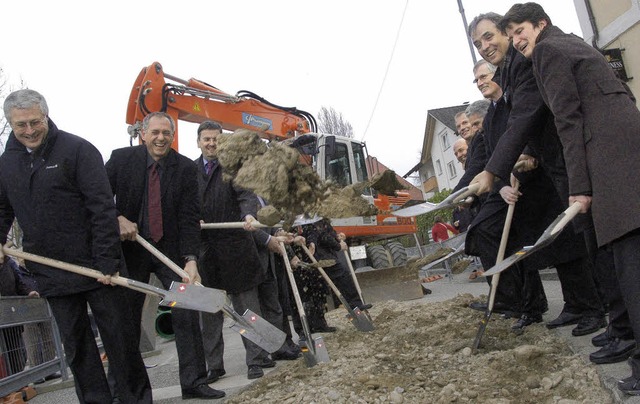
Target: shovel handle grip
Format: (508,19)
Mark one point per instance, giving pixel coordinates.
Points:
(233,225)
(571,212)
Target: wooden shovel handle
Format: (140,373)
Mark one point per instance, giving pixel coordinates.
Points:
(80,270)
(163,258)
(234,225)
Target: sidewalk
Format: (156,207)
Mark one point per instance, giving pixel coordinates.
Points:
(164,364)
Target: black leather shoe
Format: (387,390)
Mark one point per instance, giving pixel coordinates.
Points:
(601,339)
(480,306)
(255,372)
(202,391)
(214,374)
(364,306)
(617,350)
(268,363)
(565,318)
(588,325)
(630,386)
(524,321)
(285,355)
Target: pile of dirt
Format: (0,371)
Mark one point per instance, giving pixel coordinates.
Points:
(420,353)
(275,173)
(436,255)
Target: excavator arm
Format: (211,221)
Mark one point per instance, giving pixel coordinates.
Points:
(196,101)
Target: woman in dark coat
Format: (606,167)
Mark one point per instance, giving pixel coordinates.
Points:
(597,122)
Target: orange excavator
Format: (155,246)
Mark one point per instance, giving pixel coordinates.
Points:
(338,158)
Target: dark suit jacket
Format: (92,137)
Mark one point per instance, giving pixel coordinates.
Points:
(598,124)
(127,171)
(230,258)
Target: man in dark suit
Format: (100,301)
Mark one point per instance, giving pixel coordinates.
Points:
(55,185)
(530,122)
(597,121)
(173,228)
(230,259)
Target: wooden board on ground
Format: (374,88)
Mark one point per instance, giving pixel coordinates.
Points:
(396,283)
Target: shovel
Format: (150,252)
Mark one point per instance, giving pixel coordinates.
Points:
(256,224)
(314,350)
(358,318)
(547,237)
(496,278)
(179,295)
(250,325)
(456,198)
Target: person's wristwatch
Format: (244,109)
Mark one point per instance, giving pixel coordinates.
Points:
(188,258)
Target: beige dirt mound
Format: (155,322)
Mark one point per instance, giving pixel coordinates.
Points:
(420,353)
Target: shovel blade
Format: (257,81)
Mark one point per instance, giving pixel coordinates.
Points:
(315,351)
(259,331)
(194,297)
(360,320)
(451,201)
(481,329)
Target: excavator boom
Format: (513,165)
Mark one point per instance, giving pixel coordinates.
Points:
(196,101)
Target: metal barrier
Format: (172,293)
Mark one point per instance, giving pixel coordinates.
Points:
(30,347)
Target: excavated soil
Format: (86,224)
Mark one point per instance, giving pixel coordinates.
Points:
(275,173)
(420,353)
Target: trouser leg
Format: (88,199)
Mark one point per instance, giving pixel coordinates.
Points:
(241,302)
(81,351)
(212,325)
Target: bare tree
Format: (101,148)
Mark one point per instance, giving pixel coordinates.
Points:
(4,125)
(331,121)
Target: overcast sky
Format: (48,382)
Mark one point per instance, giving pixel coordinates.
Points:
(84,57)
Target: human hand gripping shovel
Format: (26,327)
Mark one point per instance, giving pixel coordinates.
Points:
(496,278)
(547,237)
(358,318)
(249,325)
(314,349)
(180,295)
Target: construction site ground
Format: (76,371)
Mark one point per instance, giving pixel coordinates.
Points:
(163,362)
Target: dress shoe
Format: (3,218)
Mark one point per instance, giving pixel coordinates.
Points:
(480,306)
(617,350)
(630,386)
(202,391)
(365,306)
(267,363)
(601,339)
(524,321)
(285,355)
(255,372)
(214,374)
(565,318)
(588,325)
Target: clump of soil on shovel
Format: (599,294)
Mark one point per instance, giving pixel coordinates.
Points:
(420,353)
(386,183)
(275,173)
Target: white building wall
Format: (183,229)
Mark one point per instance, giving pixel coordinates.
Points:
(448,170)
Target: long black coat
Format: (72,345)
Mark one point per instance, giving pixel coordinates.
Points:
(598,124)
(61,197)
(127,170)
(230,261)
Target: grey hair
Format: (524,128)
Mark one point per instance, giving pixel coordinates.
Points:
(24,99)
(490,16)
(459,114)
(492,68)
(145,121)
(479,107)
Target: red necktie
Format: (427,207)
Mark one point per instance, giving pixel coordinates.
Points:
(155,206)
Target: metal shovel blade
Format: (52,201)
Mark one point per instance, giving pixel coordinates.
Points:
(258,330)
(547,237)
(316,353)
(186,296)
(360,320)
(451,201)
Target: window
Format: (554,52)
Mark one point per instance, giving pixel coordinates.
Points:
(337,166)
(438,167)
(444,138)
(452,169)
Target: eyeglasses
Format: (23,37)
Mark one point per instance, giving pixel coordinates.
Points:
(482,77)
(32,124)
